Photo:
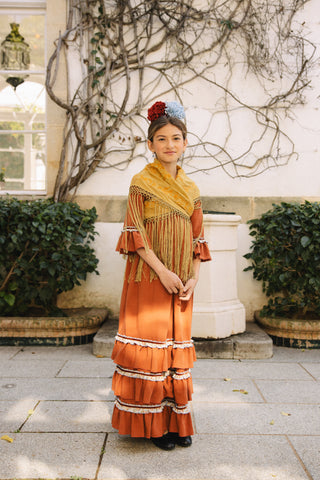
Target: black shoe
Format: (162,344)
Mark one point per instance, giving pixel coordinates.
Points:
(181,441)
(165,442)
(184,441)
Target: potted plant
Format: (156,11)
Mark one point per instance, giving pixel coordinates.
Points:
(45,249)
(285,256)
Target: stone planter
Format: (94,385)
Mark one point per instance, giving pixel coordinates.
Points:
(289,332)
(78,328)
(217,310)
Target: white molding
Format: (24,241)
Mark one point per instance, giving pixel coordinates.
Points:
(21,193)
(23,4)
(9,73)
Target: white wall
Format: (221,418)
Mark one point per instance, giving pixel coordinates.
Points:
(300,177)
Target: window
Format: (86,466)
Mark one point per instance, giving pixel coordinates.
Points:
(22,110)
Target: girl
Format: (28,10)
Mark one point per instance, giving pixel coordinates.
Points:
(163,239)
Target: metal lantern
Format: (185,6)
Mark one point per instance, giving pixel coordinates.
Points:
(14,55)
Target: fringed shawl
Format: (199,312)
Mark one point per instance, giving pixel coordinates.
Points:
(168,206)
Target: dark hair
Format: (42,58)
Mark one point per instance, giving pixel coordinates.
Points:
(162,122)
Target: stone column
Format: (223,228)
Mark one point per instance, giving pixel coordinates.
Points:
(218,313)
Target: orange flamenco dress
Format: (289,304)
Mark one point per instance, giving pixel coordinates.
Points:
(153,350)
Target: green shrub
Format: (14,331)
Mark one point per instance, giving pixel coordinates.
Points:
(285,256)
(45,249)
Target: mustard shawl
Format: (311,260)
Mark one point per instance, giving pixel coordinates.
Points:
(168,205)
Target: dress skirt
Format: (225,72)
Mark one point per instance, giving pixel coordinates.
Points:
(153,353)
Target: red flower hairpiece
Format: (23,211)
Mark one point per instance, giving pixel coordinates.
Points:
(157,110)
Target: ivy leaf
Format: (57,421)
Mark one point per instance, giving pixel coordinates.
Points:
(305,241)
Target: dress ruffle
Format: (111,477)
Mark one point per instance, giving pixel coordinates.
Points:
(153,359)
(201,250)
(129,241)
(152,424)
(149,389)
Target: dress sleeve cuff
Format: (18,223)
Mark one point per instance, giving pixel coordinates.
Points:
(201,250)
(129,241)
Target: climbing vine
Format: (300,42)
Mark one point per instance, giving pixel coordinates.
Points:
(123,55)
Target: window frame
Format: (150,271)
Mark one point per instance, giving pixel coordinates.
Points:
(26,7)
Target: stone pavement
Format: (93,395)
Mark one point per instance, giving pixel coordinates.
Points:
(254,419)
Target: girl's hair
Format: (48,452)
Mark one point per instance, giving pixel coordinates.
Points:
(162,121)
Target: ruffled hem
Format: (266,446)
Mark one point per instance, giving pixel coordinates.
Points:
(129,241)
(149,359)
(201,250)
(143,391)
(152,424)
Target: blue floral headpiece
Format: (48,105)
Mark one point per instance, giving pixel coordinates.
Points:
(168,109)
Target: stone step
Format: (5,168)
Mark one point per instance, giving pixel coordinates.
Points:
(254,343)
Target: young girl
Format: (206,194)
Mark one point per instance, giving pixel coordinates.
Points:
(163,238)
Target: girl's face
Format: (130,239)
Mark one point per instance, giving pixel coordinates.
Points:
(168,144)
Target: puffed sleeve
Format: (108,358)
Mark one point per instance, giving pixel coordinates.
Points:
(133,234)
(200,245)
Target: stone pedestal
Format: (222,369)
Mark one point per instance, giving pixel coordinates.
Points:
(218,313)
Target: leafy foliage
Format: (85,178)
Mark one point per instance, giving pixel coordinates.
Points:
(45,249)
(285,256)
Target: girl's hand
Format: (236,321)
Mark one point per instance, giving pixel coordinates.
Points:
(188,289)
(171,281)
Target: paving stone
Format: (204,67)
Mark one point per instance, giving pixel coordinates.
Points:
(95,367)
(259,370)
(235,440)
(61,416)
(308,449)
(13,414)
(222,392)
(51,455)
(56,389)
(58,353)
(8,352)
(103,340)
(214,457)
(222,348)
(286,354)
(33,368)
(313,369)
(256,418)
(254,343)
(290,391)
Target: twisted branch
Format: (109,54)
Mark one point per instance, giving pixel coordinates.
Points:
(130,53)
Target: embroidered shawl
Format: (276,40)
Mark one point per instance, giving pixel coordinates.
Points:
(168,205)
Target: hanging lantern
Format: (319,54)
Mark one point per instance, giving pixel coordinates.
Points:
(14,55)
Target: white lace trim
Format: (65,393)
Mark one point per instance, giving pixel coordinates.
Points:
(129,229)
(181,376)
(199,240)
(144,409)
(158,377)
(153,377)
(153,343)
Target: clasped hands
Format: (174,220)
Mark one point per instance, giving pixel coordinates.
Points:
(173,284)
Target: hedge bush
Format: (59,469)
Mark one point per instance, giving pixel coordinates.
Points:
(45,249)
(285,257)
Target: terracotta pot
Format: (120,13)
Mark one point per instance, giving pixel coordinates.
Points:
(289,332)
(78,328)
